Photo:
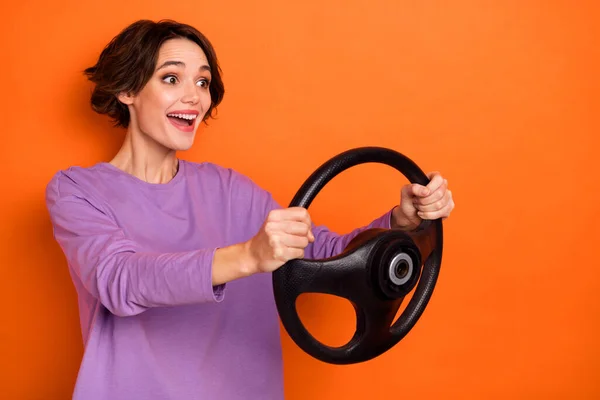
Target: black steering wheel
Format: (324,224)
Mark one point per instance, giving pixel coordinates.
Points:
(376,270)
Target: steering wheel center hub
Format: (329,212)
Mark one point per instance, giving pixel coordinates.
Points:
(396,267)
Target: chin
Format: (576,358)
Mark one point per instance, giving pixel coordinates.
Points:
(182,146)
(180,141)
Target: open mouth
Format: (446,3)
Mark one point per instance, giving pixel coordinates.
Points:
(182,119)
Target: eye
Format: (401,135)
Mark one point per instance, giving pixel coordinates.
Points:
(203,82)
(171,79)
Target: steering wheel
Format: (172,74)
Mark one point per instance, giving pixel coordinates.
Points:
(376,270)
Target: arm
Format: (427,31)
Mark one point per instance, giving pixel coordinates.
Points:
(416,203)
(125,279)
(328,243)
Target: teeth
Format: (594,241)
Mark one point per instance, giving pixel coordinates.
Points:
(189,117)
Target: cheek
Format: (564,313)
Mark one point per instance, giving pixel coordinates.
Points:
(206,100)
(155,104)
(164,100)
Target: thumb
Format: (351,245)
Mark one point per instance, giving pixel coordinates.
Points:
(417,190)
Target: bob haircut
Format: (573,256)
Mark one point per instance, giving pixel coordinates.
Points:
(127,63)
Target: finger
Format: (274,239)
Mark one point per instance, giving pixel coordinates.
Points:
(434,197)
(297,228)
(443,213)
(289,227)
(281,245)
(434,203)
(294,241)
(311,236)
(292,253)
(436,180)
(301,214)
(415,190)
(291,213)
(451,205)
(287,253)
(300,229)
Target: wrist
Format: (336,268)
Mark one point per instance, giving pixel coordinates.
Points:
(400,221)
(248,262)
(231,263)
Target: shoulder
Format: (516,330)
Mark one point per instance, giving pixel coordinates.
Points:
(75,182)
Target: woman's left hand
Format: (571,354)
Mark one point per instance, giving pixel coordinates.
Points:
(419,202)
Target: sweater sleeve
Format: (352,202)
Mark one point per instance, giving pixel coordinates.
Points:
(114,270)
(328,243)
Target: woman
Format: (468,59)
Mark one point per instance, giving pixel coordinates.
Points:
(171,258)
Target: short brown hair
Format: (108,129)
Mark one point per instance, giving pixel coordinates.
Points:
(127,63)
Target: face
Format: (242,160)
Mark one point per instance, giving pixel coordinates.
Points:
(169,109)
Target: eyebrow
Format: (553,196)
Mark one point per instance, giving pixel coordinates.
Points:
(181,64)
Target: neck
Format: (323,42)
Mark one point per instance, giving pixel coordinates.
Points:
(146,159)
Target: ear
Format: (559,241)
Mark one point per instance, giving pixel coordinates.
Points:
(125,98)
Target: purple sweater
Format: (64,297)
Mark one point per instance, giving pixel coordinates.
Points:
(140,256)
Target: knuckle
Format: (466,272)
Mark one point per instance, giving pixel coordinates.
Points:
(274,241)
(305,229)
(278,254)
(275,253)
(297,253)
(275,215)
(306,214)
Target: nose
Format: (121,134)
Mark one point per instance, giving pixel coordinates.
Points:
(190,93)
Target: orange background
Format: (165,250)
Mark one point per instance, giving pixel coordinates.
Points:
(502,97)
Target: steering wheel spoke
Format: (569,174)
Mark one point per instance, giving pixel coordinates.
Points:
(374,317)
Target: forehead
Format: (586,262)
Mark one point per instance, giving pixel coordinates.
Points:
(183,50)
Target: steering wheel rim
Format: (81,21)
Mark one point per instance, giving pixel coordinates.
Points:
(374,298)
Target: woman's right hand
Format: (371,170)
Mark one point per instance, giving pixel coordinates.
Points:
(283,236)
